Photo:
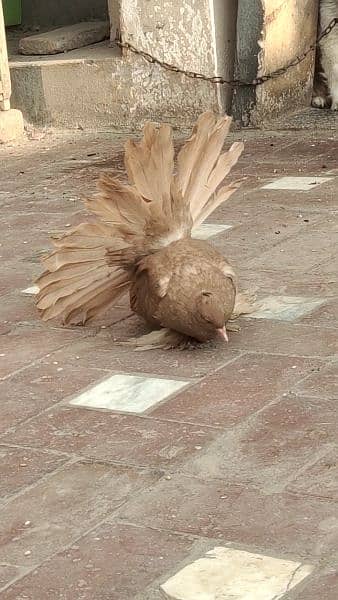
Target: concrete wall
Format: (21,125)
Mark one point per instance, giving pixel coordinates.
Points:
(112,93)
(50,13)
(192,34)
(271,33)
(122,90)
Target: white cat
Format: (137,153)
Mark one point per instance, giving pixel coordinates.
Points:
(328,48)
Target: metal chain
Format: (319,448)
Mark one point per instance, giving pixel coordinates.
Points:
(216,79)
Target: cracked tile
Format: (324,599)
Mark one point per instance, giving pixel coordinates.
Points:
(236,574)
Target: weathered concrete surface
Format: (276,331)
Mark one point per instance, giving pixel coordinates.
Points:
(289,29)
(179,33)
(123,91)
(96,91)
(11,125)
(195,35)
(64,39)
(280,31)
(48,13)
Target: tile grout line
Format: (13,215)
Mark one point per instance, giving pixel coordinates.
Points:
(328,359)
(37,361)
(64,401)
(180,464)
(321,453)
(327,365)
(73,459)
(147,416)
(67,547)
(227,544)
(3,503)
(244,351)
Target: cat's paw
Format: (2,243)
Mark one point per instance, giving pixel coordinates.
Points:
(334,105)
(318,102)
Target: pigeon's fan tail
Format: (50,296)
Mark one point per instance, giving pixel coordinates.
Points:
(93,264)
(202,166)
(78,284)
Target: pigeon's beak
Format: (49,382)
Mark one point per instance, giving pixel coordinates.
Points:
(222,332)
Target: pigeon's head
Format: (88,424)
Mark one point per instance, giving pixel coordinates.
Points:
(213,310)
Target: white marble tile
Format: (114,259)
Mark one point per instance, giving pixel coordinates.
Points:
(207,230)
(31,291)
(128,393)
(296,183)
(227,573)
(285,308)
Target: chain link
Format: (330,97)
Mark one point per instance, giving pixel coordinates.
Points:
(219,80)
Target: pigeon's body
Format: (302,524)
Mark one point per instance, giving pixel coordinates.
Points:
(167,285)
(142,242)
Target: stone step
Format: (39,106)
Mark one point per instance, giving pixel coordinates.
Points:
(95,87)
(78,90)
(65,39)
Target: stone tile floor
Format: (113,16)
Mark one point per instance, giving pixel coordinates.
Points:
(193,475)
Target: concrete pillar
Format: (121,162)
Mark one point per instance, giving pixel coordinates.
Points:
(11,121)
(196,35)
(270,34)
(249,30)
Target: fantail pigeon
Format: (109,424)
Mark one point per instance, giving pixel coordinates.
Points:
(183,288)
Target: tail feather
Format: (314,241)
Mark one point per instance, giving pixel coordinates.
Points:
(150,163)
(127,209)
(92,265)
(222,195)
(187,156)
(98,299)
(85,236)
(201,167)
(67,273)
(224,165)
(78,283)
(65,256)
(88,300)
(198,188)
(69,284)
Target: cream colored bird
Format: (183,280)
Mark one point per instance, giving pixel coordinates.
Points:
(142,242)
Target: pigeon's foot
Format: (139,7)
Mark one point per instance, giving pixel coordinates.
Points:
(163,339)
